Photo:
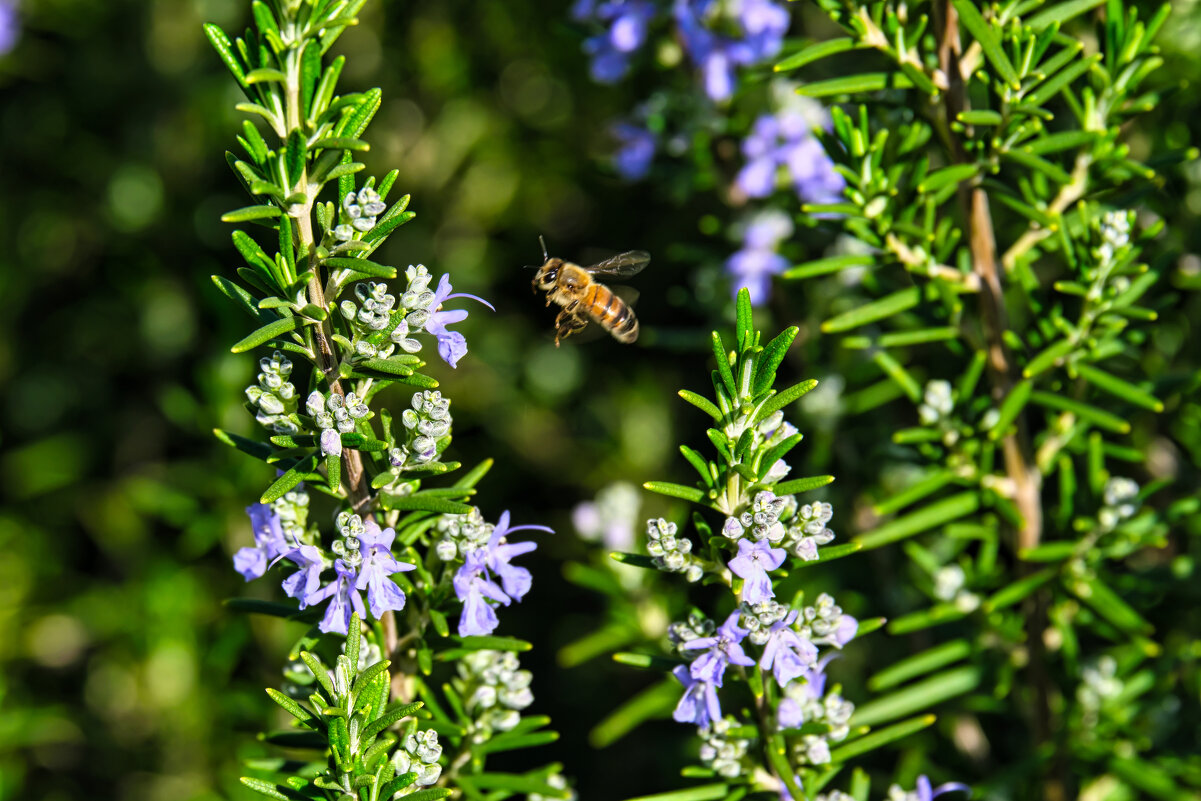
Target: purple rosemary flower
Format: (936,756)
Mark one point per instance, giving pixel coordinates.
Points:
(452,346)
(269,542)
(720,651)
(844,631)
(786,140)
(786,653)
(515,580)
(474,588)
(760,23)
(344,600)
(10,26)
(635,152)
(790,714)
(752,564)
(757,261)
(304,583)
(626,22)
(378,564)
(699,704)
(926,793)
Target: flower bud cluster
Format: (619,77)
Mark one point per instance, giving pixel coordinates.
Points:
(274,396)
(825,624)
(1120,502)
(803,705)
(696,627)
(723,752)
(949,585)
(417,297)
(334,415)
(348,547)
(361,209)
(374,311)
(807,530)
(461,534)
(937,403)
(419,753)
(293,511)
(761,521)
(1115,234)
(1099,684)
(494,689)
(758,619)
(670,553)
(425,424)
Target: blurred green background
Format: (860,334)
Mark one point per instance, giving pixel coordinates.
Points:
(123,675)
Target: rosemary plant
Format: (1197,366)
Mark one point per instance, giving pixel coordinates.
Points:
(397,705)
(999,286)
(751,672)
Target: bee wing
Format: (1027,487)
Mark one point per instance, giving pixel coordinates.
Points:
(623,265)
(626,293)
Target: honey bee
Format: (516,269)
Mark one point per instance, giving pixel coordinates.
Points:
(584,299)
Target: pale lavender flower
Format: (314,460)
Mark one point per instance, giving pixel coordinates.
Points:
(10,26)
(699,704)
(786,140)
(635,152)
(926,793)
(515,580)
(452,346)
(786,653)
(344,600)
(378,564)
(474,587)
(760,23)
(720,650)
(845,631)
(753,266)
(304,583)
(752,564)
(790,713)
(269,542)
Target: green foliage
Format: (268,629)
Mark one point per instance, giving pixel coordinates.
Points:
(990,185)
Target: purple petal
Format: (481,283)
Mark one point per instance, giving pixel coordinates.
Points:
(718,76)
(384,595)
(949,787)
(478,617)
(452,346)
(516,580)
(758,177)
(250,562)
(471,297)
(788,715)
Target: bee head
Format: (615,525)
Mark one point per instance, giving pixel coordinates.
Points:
(547,274)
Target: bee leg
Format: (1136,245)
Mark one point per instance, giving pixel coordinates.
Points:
(567,324)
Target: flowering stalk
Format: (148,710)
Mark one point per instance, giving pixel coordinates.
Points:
(404,559)
(772,647)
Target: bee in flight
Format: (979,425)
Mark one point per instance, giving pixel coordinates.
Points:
(585,300)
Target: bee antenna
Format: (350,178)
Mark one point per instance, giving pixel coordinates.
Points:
(545,255)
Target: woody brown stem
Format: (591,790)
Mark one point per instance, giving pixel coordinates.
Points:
(1024,479)
(354,477)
